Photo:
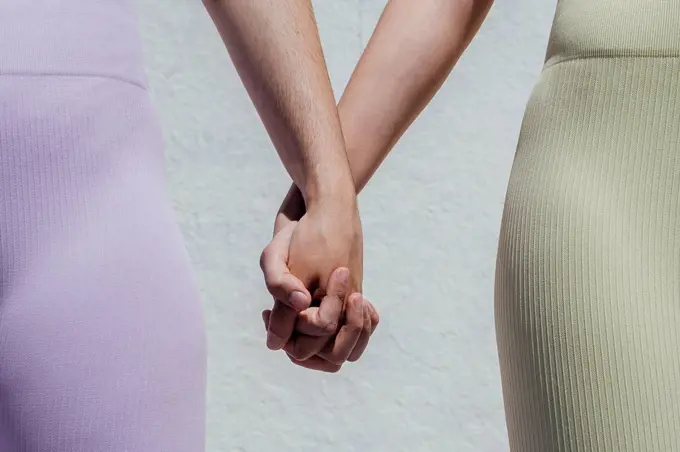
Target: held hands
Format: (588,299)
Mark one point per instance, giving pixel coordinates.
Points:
(317,254)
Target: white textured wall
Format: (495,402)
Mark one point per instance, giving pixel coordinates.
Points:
(429,380)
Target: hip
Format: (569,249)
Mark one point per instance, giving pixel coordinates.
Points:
(614,29)
(70,37)
(80,157)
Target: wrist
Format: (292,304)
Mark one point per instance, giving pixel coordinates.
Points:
(334,187)
(359,143)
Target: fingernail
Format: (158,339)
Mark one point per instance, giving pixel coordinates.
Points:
(359,303)
(344,275)
(298,300)
(273,341)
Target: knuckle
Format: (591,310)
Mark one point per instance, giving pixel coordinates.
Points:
(264,255)
(375,319)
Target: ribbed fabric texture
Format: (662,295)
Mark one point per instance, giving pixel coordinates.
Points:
(102,344)
(96,38)
(588,270)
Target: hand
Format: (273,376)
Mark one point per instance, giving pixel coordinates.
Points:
(326,237)
(359,320)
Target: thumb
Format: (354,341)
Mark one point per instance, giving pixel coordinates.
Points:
(338,284)
(326,319)
(282,221)
(283,286)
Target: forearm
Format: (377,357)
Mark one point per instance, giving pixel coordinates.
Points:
(275,47)
(413,49)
